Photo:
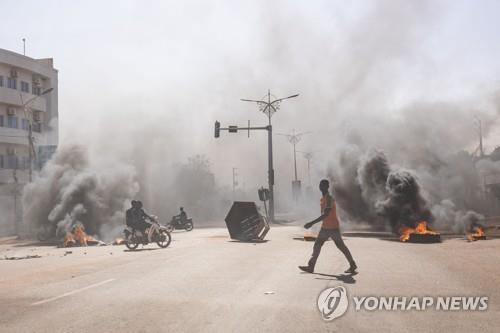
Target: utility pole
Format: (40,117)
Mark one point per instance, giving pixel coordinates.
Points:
(295,138)
(479,126)
(235,182)
(14,176)
(24,46)
(308,155)
(269,107)
(28,114)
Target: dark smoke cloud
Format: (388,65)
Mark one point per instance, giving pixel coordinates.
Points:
(71,189)
(387,197)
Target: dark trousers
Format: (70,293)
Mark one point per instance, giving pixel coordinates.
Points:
(323,236)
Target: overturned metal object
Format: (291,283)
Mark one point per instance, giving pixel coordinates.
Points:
(244,222)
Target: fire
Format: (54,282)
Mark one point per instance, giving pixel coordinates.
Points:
(420,229)
(310,236)
(478,233)
(78,237)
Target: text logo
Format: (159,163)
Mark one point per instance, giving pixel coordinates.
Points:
(333,302)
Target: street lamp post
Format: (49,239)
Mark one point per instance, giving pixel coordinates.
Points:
(308,155)
(269,107)
(29,116)
(294,138)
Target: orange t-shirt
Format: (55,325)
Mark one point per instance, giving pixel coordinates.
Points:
(330,221)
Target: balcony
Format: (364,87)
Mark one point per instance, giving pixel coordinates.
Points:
(19,136)
(11,96)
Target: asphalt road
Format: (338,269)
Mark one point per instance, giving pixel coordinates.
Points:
(205,282)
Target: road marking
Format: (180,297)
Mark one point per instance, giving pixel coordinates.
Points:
(76,291)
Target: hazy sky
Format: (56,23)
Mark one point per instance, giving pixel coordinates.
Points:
(180,65)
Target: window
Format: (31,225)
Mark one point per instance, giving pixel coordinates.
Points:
(11,83)
(1,162)
(1,121)
(25,163)
(1,81)
(12,162)
(12,121)
(37,91)
(25,86)
(37,127)
(25,124)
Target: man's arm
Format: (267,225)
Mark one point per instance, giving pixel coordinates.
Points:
(313,222)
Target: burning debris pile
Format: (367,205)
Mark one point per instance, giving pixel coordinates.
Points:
(419,234)
(72,196)
(78,237)
(476,233)
(388,197)
(370,190)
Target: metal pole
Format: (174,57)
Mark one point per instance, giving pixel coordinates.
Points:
(30,153)
(24,46)
(270,159)
(270,172)
(16,226)
(269,108)
(481,151)
(295,160)
(234,182)
(309,170)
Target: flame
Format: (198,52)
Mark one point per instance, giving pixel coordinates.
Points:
(78,237)
(119,241)
(310,236)
(421,228)
(478,233)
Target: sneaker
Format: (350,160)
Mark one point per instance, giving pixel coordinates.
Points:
(306,269)
(351,269)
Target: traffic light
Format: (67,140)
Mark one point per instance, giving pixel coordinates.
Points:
(217,129)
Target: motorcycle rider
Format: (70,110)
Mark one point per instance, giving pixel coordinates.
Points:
(129,215)
(181,218)
(137,218)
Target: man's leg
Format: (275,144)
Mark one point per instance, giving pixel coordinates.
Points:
(337,238)
(318,243)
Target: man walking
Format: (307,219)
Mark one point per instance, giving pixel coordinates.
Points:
(329,229)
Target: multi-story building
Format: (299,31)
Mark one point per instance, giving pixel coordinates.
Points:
(24,79)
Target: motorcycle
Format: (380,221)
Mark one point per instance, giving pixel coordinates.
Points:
(176,223)
(155,233)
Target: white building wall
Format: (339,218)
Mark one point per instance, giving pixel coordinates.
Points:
(14,139)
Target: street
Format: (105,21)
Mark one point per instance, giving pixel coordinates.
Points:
(204,282)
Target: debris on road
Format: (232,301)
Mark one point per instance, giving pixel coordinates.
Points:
(244,222)
(477,233)
(23,257)
(419,234)
(269,293)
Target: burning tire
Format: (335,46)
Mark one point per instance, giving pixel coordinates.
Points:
(164,239)
(189,226)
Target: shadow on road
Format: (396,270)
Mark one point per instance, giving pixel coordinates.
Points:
(346,278)
(250,242)
(139,250)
